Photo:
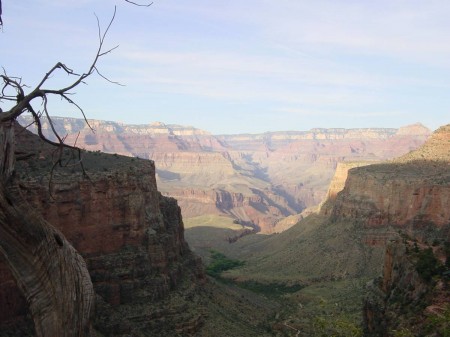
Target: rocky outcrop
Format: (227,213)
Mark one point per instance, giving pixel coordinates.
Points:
(412,295)
(130,236)
(412,193)
(400,195)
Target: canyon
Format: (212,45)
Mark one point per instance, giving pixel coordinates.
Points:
(256,179)
(312,275)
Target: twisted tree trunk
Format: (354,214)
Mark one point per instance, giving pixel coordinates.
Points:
(51,274)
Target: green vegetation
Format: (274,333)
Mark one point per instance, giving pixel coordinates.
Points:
(427,264)
(221,263)
(270,289)
(440,323)
(212,220)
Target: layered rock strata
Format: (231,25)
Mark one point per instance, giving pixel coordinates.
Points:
(410,193)
(281,172)
(412,295)
(130,236)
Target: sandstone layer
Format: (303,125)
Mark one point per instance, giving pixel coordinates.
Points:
(412,192)
(276,174)
(129,235)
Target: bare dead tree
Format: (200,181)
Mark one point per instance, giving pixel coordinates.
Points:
(50,273)
(14,90)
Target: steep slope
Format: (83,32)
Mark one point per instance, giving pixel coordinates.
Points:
(412,296)
(258,179)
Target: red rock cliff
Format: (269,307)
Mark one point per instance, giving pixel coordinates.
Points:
(396,194)
(130,236)
(412,192)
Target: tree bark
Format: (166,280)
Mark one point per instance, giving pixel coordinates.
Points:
(52,276)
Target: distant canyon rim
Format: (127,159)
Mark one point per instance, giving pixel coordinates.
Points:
(257,180)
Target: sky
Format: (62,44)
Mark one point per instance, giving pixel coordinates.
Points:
(241,66)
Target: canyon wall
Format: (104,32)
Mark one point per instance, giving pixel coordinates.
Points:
(410,193)
(409,198)
(411,296)
(277,173)
(130,236)
(337,184)
(397,194)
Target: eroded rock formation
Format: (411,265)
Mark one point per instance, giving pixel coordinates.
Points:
(412,295)
(276,173)
(130,236)
(411,192)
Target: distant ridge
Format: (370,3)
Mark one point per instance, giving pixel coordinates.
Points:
(78,124)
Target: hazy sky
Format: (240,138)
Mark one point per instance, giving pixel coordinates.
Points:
(243,65)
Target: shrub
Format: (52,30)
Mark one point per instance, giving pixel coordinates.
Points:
(427,265)
(440,323)
(221,263)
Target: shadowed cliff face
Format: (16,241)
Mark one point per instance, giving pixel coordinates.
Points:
(129,235)
(259,178)
(412,294)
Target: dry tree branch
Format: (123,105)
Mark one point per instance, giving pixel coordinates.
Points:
(140,5)
(107,79)
(13,90)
